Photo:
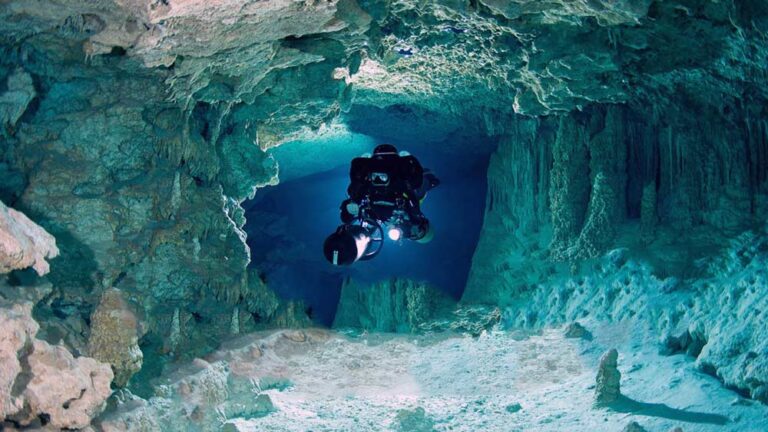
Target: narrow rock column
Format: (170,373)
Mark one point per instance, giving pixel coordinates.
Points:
(569,186)
(648,218)
(608,389)
(114,336)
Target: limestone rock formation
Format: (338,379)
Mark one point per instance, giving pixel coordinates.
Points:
(23,243)
(577,331)
(569,187)
(648,213)
(599,227)
(206,393)
(70,390)
(14,101)
(40,379)
(115,335)
(607,389)
(396,305)
(415,420)
(634,427)
(17,327)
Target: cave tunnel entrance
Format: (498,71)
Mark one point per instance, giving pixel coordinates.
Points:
(288,223)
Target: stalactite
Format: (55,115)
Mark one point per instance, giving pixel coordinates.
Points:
(648,217)
(569,186)
(608,156)
(600,226)
(174,336)
(234,326)
(176,194)
(515,180)
(396,305)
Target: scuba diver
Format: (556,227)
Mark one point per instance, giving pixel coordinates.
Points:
(385,192)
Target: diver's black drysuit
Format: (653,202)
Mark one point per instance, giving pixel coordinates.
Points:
(385,178)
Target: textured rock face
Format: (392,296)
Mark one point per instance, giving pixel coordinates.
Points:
(562,188)
(70,390)
(608,380)
(23,243)
(17,328)
(115,335)
(137,158)
(702,315)
(392,306)
(558,192)
(13,103)
(39,379)
(132,130)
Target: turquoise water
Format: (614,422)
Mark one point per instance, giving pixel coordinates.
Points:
(303,210)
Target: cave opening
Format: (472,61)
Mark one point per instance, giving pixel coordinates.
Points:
(288,222)
(169,171)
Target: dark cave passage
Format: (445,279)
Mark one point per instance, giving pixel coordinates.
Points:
(296,216)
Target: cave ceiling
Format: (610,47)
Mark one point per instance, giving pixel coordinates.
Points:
(291,67)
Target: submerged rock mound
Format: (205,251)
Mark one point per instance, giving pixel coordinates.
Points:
(41,384)
(23,243)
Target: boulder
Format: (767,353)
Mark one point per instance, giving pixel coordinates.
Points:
(114,337)
(41,381)
(23,243)
(70,390)
(633,427)
(18,328)
(575,330)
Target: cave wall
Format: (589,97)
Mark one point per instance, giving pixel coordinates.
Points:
(93,153)
(567,188)
(141,184)
(618,214)
(397,305)
(131,131)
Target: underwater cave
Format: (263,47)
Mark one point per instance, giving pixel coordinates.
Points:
(384,215)
(288,222)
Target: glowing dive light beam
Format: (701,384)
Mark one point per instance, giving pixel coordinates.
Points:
(394,234)
(361,243)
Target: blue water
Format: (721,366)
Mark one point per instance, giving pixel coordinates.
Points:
(288,223)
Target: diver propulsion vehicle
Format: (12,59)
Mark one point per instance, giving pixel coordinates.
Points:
(363,237)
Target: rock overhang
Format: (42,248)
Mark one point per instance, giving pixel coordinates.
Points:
(489,58)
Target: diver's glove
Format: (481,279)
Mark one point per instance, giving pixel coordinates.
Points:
(353,208)
(349,211)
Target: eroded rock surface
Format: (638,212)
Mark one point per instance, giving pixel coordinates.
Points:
(70,390)
(115,335)
(499,381)
(698,316)
(17,327)
(607,388)
(132,131)
(38,379)
(23,243)
(397,305)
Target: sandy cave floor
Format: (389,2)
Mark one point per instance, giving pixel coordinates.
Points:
(500,381)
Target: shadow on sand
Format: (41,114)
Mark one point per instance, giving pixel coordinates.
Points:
(626,405)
